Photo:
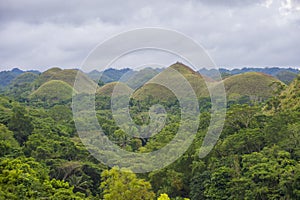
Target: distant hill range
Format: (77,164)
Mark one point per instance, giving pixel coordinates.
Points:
(6,77)
(55,84)
(133,78)
(286,75)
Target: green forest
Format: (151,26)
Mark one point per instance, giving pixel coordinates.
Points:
(256,157)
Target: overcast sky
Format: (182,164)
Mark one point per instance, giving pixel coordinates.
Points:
(38,34)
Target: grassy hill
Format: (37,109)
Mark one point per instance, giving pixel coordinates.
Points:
(252,84)
(54,91)
(160,92)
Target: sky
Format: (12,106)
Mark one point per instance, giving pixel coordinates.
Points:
(39,35)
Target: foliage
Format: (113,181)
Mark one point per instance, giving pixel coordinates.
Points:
(124,185)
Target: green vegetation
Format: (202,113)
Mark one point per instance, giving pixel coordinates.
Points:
(256,157)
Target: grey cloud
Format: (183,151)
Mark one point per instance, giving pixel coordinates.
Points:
(229,3)
(40,34)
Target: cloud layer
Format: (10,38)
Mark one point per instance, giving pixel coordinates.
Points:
(40,34)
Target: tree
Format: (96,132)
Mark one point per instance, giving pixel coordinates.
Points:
(199,183)
(8,144)
(23,178)
(20,124)
(219,185)
(269,174)
(163,197)
(124,185)
(239,117)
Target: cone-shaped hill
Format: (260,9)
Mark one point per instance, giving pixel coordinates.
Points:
(54,91)
(150,89)
(255,85)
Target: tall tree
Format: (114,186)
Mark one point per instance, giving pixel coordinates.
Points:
(20,124)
